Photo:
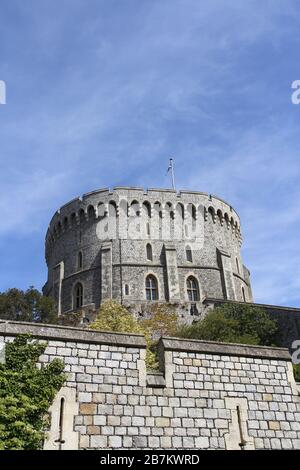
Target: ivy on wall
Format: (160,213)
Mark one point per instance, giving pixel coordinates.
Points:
(26,393)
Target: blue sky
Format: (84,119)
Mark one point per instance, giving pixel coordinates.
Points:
(102,92)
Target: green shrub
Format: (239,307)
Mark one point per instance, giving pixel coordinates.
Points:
(234,323)
(26,393)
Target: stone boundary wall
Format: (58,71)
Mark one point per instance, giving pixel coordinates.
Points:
(206,396)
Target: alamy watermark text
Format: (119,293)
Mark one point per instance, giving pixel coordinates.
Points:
(296,94)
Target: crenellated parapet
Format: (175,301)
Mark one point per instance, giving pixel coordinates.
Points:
(185,207)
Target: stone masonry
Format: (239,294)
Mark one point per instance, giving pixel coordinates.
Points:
(109,242)
(206,396)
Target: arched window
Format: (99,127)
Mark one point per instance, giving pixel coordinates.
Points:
(149,252)
(78,295)
(91,213)
(243,294)
(226,217)
(126,289)
(134,209)
(220,216)
(211,211)
(66,223)
(192,289)
(151,288)
(237,265)
(194,212)
(147,209)
(79,260)
(59,228)
(189,254)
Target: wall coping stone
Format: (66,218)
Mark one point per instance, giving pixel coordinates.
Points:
(84,335)
(227,349)
(72,334)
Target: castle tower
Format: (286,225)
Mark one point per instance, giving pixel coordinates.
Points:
(139,247)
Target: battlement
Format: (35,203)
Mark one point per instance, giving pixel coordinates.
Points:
(133,200)
(141,192)
(206,395)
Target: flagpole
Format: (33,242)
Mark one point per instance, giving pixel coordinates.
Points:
(172,173)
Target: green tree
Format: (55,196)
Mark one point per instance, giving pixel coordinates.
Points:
(26,393)
(29,305)
(113,316)
(162,320)
(234,323)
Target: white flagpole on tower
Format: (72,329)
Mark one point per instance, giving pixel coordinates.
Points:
(171,168)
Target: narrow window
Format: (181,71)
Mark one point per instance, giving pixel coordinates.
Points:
(126,289)
(148,228)
(60,440)
(147,209)
(78,295)
(151,288)
(189,254)
(80,260)
(211,211)
(243,294)
(192,289)
(242,442)
(66,223)
(149,252)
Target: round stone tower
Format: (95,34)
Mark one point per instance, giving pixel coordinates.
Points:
(140,247)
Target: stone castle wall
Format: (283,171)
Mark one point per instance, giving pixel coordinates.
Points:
(112,228)
(207,395)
